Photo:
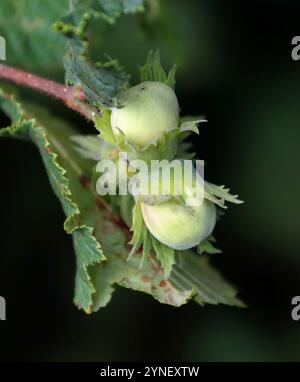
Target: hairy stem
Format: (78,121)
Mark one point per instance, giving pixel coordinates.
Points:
(73,97)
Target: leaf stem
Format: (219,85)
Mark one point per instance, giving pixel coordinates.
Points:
(73,96)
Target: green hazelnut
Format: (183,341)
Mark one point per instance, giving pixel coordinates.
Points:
(146,111)
(178,226)
(186,218)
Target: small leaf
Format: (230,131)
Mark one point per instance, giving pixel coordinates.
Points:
(206,246)
(163,148)
(143,239)
(192,125)
(153,70)
(103,125)
(137,229)
(165,255)
(87,249)
(219,194)
(147,247)
(171,78)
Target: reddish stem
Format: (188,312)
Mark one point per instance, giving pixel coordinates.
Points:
(71,96)
(74,98)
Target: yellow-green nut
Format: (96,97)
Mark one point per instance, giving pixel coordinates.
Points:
(178,226)
(146,111)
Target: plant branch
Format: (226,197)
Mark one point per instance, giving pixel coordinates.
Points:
(73,96)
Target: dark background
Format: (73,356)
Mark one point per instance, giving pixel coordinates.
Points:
(234,66)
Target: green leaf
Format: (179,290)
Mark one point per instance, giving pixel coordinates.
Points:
(193,271)
(108,10)
(207,246)
(148,279)
(191,125)
(143,240)
(219,195)
(101,82)
(164,254)
(30,41)
(163,148)
(153,70)
(103,125)
(87,247)
(138,229)
(114,9)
